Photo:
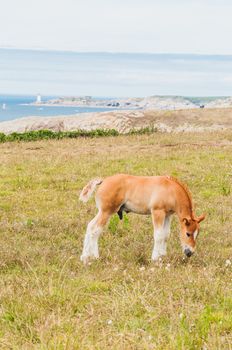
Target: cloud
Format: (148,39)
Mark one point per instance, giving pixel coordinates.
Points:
(60,73)
(122,25)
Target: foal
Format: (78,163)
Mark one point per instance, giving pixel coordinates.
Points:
(160,196)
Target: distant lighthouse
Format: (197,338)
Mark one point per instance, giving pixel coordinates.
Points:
(38,99)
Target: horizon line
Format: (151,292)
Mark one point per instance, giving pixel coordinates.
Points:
(40,49)
(119,97)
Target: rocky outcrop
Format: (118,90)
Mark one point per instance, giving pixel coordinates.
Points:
(195,120)
(119,120)
(151,102)
(144,103)
(166,103)
(220,103)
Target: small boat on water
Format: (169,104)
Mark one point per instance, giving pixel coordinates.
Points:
(3,106)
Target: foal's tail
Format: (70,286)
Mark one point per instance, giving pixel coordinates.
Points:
(88,190)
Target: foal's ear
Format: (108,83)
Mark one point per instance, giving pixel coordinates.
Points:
(186,221)
(200,218)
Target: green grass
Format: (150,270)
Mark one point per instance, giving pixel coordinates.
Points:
(48,134)
(49,300)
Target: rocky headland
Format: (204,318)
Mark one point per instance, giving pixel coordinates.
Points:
(152,102)
(185,120)
(144,103)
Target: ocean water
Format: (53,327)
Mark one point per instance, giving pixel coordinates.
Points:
(58,73)
(18,107)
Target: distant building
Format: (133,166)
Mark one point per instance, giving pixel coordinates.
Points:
(38,98)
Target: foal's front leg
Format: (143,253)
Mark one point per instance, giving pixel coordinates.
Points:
(161,223)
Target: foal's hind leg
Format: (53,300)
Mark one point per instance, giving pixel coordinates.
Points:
(161,224)
(94,229)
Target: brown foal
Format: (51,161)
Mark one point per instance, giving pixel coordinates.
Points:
(160,196)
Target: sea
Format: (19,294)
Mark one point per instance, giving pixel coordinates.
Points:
(26,73)
(19,106)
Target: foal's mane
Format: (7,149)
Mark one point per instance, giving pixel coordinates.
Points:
(185,188)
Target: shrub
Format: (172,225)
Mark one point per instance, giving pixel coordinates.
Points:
(2,137)
(48,134)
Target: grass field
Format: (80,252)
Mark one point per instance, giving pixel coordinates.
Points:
(49,300)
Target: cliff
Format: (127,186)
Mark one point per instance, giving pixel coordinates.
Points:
(190,120)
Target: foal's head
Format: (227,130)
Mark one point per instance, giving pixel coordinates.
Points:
(189,230)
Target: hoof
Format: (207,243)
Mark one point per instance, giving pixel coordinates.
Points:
(85,259)
(157,257)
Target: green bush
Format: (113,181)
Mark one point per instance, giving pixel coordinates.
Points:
(142,131)
(48,134)
(2,137)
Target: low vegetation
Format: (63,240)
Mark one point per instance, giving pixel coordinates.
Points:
(49,134)
(49,300)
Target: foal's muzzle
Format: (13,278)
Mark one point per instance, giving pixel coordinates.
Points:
(188,252)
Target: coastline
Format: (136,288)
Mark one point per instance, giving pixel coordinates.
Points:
(124,121)
(132,103)
(77,106)
(138,103)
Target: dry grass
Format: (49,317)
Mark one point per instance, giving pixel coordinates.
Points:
(196,117)
(48,300)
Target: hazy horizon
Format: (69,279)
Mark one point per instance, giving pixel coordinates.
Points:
(126,48)
(102,74)
(113,52)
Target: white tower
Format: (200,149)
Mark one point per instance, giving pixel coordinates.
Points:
(38,98)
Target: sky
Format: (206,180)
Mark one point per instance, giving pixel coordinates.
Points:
(111,74)
(152,26)
(60,27)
